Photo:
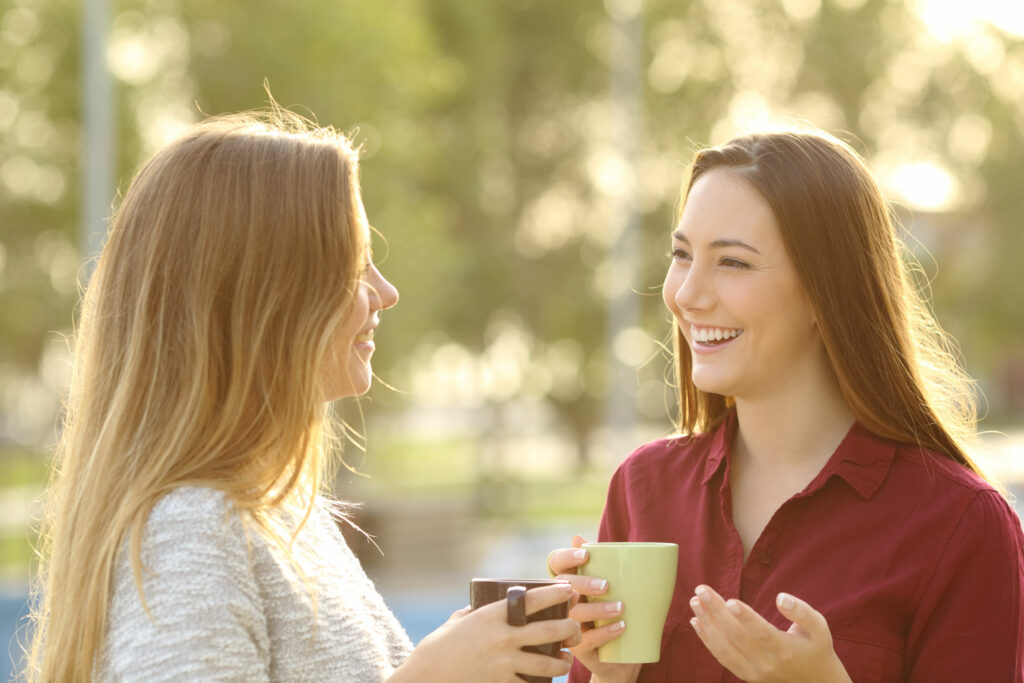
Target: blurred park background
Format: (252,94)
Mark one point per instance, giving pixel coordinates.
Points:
(522,159)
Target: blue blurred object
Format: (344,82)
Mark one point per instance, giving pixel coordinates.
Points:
(13,613)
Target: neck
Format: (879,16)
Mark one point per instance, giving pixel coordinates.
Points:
(796,426)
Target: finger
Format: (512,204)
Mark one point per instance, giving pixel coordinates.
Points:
(546,596)
(720,646)
(543,666)
(744,627)
(597,637)
(717,628)
(545,631)
(565,560)
(592,611)
(806,620)
(583,584)
(575,639)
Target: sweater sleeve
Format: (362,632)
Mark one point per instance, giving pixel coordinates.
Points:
(969,624)
(206,619)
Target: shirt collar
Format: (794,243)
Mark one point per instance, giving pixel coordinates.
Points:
(720,445)
(862,460)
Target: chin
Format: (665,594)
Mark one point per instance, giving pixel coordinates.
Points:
(712,385)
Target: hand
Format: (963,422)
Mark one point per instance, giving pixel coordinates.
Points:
(479,644)
(754,650)
(563,563)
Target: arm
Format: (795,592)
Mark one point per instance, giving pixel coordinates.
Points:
(205,618)
(969,622)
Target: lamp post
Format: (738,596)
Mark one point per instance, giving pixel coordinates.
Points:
(98,130)
(626,101)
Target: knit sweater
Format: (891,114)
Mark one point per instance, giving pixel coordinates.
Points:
(228,605)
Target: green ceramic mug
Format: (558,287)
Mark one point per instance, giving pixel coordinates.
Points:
(643,577)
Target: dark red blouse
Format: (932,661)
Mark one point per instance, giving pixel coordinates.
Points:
(916,563)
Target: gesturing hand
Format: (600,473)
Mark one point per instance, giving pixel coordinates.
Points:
(754,650)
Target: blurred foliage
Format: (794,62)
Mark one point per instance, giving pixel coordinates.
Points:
(485,131)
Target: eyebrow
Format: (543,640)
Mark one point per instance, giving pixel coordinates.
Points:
(718,244)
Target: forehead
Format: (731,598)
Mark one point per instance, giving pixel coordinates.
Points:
(721,204)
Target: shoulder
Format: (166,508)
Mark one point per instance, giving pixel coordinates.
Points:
(971,505)
(190,503)
(674,451)
(927,474)
(671,463)
(194,527)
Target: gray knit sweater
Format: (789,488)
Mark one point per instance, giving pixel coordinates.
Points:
(227,605)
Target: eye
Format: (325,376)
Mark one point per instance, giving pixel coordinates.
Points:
(734,263)
(678,254)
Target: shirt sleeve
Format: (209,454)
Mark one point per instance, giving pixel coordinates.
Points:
(207,622)
(969,624)
(615,518)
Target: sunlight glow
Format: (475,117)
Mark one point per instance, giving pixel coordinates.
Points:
(924,185)
(949,20)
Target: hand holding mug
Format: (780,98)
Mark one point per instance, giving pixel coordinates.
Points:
(563,563)
(479,643)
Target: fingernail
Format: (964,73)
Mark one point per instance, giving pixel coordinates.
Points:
(704,594)
(599,584)
(697,608)
(566,587)
(579,554)
(613,606)
(696,625)
(786,601)
(733,607)
(618,626)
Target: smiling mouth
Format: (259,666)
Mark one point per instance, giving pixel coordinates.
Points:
(713,336)
(364,337)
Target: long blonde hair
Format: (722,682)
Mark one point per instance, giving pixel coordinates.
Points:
(897,370)
(234,256)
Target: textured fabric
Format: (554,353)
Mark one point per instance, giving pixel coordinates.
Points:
(915,562)
(227,605)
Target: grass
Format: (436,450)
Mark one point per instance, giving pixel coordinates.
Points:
(23,467)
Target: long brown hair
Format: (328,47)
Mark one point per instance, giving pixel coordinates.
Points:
(898,372)
(233,258)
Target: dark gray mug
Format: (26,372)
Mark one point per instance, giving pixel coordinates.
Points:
(485,591)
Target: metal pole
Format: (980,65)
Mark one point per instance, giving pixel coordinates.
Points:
(98,129)
(626,94)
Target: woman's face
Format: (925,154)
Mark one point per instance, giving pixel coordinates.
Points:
(348,371)
(735,294)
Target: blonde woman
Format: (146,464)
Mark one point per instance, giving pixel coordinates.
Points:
(831,523)
(187,536)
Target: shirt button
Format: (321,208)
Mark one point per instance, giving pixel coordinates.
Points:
(764,558)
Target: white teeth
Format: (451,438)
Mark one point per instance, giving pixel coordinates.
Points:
(707,334)
(365,337)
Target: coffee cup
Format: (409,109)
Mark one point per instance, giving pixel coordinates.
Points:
(643,577)
(485,591)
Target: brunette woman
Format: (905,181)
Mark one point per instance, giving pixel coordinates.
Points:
(832,525)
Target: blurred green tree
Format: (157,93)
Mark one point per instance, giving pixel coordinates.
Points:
(485,128)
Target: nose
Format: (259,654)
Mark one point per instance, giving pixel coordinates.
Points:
(383,294)
(687,289)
